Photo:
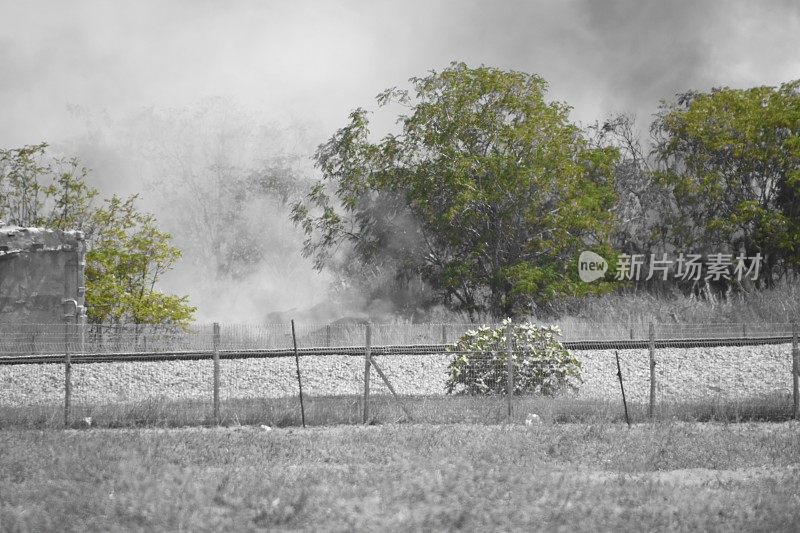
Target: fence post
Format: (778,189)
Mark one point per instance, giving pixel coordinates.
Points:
(367,350)
(299,379)
(444,333)
(328,335)
(215,341)
(82,322)
(510,359)
(67,370)
(652,349)
(622,388)
(795,374)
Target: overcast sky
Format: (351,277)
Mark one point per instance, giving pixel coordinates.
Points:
(310,63)
(315,61)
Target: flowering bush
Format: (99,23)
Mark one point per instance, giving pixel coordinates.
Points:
(541,363)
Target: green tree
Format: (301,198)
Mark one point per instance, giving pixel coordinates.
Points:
(731,160)
(488,193)
(127,253)
(38,191)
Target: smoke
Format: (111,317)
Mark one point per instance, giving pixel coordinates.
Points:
(220,178)
(128,86)
(316,62)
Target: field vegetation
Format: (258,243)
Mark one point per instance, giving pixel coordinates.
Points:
(477,209)
(478,204)
(326,411)
(581,477)
(780,304)
(486,194)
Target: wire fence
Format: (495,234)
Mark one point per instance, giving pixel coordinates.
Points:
(92,375)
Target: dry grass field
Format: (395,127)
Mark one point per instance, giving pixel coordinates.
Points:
(667,476)
(721,454)
(384,409)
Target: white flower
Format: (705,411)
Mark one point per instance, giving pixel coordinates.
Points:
(266,428)
(88,421)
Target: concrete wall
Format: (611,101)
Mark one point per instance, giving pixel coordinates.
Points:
(39,269)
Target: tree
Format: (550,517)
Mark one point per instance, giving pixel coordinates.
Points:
(642,199)
(38,192)
(127,253)
(488,193)
(731,161)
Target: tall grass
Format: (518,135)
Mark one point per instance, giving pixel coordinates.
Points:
(780,304)
(564,477)
(384,409)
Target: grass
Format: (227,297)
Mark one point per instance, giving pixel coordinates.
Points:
(632,306)
(775,305)
(582,477)
(336,410)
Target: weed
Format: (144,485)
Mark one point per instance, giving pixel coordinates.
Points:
(572,476)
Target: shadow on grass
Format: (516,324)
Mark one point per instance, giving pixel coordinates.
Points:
(337,410)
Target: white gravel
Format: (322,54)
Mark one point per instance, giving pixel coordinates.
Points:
(735,373)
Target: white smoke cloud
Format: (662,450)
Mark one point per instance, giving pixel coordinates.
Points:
(76,74)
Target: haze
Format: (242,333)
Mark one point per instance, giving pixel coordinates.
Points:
(80,75)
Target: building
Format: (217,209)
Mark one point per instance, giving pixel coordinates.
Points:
(41,275)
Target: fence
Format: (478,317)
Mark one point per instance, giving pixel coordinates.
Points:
(54,375)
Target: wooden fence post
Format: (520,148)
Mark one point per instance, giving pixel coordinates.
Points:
(70,314)
(82,325)
(510,360)
(652,349)
(67,370)
(622,388)
(328,335)
(444,333)
(367,351)
(215,341)
(795,374)
(299,379)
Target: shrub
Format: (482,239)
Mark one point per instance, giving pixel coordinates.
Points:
(541,363)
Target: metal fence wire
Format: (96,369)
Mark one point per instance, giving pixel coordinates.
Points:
(127,375)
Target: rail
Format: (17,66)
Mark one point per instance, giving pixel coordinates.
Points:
(358,351)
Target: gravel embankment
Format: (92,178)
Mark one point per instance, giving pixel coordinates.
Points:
(682,375)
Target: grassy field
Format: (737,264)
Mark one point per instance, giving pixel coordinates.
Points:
(348,409)
(589,477)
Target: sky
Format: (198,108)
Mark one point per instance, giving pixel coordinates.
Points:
(312,62)
(315,61)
